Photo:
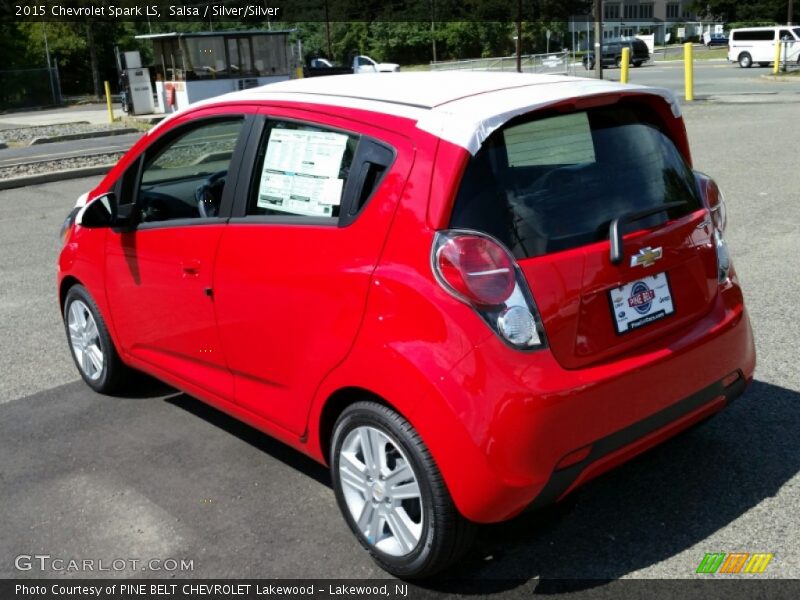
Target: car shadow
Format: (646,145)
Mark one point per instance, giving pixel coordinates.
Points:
(276,449)
(658,505)
(644,512)
(144,387)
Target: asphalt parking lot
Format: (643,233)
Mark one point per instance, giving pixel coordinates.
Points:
(158,475)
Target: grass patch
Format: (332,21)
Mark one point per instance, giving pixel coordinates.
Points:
(422,67)
(698,54)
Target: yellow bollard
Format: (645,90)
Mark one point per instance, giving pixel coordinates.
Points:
(626,63)
(298,73)
(688,71)
(108,102)
(777,66)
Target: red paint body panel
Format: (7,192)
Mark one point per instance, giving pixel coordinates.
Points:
(163,273)
(284,328)
(301,312)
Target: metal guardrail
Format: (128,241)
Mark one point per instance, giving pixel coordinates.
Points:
(554,63)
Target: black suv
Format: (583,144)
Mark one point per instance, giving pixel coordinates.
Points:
(612,54)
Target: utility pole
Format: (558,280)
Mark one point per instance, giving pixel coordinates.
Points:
(790,13)
(433,29)
(328,31)
(598,38)
(49,69)
(519,36)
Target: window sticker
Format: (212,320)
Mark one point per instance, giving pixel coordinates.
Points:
(301,172)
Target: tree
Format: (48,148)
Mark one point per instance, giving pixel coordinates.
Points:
(757,11)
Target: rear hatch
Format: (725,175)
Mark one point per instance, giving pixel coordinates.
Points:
(550,187)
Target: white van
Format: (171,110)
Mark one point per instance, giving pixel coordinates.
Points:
(757,45)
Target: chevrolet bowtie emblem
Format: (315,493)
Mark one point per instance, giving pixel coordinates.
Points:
(646,257)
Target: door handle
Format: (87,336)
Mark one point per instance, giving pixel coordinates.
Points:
(190,268)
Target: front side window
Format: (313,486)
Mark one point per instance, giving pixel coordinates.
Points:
(301,170)
(554,183)
(185,178)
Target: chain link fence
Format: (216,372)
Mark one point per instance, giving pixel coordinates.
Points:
(555,63)
(27,88)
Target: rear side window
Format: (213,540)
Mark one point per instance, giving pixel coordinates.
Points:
(557,182)
(302,170)
(754,35)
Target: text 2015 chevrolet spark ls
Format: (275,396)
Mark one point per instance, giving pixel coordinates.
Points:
(467,293)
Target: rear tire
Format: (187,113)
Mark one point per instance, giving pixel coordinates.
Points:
(637,64)
(392,494)
(745,60)
(618,62)
(90,343)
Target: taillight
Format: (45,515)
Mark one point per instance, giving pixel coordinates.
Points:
(715,203)
(713,200)
(479,271)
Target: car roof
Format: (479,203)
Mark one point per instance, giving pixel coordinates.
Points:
(461,107)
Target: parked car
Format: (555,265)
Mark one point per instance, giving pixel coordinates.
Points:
(612,54)
(364,64)
(322,66)
(715,39)
(757,45)
(428,283)
(359,65)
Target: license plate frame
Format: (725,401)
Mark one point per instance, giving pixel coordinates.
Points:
(641,302)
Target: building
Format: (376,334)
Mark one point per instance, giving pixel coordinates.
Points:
(666,20)
(194,66)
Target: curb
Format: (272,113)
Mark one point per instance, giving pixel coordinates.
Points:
(82,136)
(16,182)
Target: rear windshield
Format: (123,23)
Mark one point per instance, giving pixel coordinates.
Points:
(554,183)
(640,46)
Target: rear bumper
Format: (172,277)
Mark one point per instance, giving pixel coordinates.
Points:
(524,414)
(622,445)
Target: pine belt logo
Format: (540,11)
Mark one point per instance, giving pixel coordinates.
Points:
(735,562)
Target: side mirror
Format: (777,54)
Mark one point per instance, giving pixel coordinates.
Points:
(100,212)
(105,211)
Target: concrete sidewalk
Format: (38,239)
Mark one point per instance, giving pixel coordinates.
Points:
(95,114)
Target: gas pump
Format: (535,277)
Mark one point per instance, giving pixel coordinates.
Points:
(136,89)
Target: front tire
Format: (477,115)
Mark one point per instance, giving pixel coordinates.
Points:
(392,494)
(745,60)
(90,343)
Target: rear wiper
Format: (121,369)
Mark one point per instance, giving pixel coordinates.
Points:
(615,229)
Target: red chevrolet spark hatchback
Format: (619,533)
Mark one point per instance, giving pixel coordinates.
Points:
(467,293)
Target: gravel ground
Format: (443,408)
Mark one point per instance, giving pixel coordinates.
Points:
(62,164)
(22,136)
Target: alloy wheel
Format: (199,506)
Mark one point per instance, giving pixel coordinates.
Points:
(84,338)
(381,490)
